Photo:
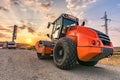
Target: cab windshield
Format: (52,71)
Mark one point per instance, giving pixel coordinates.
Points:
(68,22)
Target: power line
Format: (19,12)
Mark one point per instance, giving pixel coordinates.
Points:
(116,21)
(106,22)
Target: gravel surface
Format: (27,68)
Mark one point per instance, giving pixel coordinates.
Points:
(24,65)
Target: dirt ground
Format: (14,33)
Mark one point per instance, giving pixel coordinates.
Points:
(113,60)
(24,65)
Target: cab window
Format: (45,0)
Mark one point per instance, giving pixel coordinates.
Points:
(56,29)
(67,23)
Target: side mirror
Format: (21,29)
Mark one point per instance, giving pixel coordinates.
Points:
(83,23)
(48,24)
(48,35)
(58,28)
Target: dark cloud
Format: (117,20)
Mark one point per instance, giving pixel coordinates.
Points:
(30,30)
(34,5)
(23,27)
(20,2)
(15,2)
(50,16)
(46,5)
(22,21)
(40,34)
(4,8)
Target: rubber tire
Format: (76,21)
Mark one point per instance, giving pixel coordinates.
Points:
(89,63)
(69,57)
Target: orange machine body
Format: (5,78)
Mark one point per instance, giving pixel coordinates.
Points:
(88,43)
(42,49)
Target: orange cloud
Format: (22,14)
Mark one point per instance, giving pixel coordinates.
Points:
(5,29)
(4,35)
(4,8)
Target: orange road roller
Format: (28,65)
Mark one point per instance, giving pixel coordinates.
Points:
(71,43)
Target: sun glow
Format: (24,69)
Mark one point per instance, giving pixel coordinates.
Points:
(29,41)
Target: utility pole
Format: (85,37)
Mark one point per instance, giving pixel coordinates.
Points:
(106,22)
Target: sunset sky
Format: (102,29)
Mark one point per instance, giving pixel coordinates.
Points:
(32,16)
